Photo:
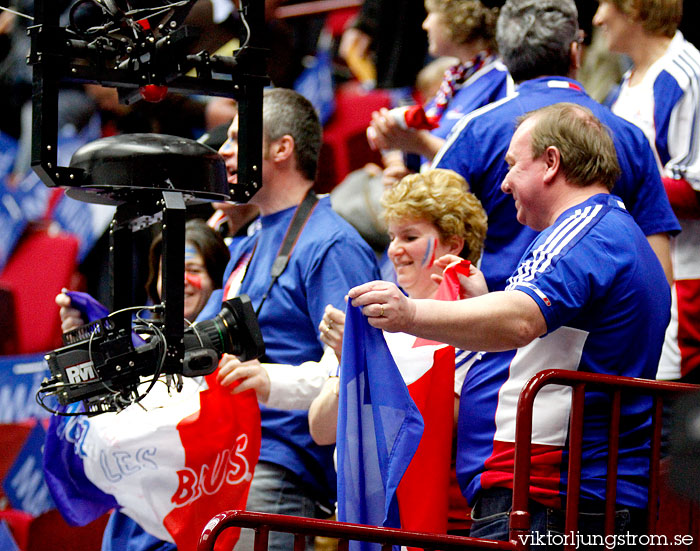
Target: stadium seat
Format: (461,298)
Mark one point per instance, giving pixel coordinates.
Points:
(345,146)
(42,264)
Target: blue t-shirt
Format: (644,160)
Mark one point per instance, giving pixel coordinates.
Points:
(477,147)
(606,302)
(490,83)
(328,259)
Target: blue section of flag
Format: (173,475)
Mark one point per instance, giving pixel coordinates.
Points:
(379,427)
(77,498)
(7,542)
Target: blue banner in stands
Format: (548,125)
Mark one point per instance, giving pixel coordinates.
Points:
(12,220)
(86,221)
(12,224)
(316,80)
(20,377)
(24,484)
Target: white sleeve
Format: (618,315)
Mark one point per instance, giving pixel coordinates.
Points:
(295,386)
(683,139)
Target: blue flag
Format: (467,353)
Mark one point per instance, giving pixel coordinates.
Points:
(379,427)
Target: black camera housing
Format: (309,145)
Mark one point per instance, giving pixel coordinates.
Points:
(105,361)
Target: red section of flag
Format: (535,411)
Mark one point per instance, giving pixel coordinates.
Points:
(222,444)
(423,491)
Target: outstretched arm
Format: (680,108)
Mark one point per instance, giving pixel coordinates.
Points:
(494,322)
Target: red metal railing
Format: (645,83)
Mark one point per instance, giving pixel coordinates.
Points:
(579,381)
(263,523)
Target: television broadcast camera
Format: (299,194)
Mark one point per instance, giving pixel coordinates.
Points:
(141,48)
(103,362)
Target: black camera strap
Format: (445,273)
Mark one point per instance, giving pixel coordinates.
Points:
(301,216)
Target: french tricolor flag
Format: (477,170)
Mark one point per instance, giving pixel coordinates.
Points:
(395,424)
(171,467)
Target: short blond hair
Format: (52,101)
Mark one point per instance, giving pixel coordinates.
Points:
(585,145)
(467,20)
(660,17)
(441,197)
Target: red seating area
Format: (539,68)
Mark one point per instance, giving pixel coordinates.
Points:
(40,266)
(345,146)
(49,531)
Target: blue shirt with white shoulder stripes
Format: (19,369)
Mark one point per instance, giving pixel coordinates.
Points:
(477,146)
(606,302)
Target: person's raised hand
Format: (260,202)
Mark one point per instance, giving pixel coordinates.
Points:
(70,317)
(470,286)
(331,329)
(386,132)
(393,173)
(242,376)
(385,306)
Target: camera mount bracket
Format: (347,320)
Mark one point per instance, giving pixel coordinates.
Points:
(128,55)
(157,57)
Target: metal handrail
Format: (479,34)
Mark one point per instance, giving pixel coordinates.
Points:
(520,517)
(314,8)
(263,523)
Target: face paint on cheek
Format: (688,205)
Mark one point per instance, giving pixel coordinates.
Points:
(194,280)
(429,256)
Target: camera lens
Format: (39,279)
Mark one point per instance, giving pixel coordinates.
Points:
(234,330)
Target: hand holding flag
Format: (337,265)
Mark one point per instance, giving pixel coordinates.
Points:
(395,416)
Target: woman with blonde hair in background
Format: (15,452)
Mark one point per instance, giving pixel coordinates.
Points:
(433,219)
(464,30)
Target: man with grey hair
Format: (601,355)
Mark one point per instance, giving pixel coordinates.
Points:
(539,41)
(573,303)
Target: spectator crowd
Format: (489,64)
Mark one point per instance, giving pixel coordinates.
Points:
(563,214)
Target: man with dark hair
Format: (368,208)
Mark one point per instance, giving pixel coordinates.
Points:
(539,41)
(294,475)
(572,303)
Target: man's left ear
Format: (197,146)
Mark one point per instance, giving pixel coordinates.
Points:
(575,58)
(552,159)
